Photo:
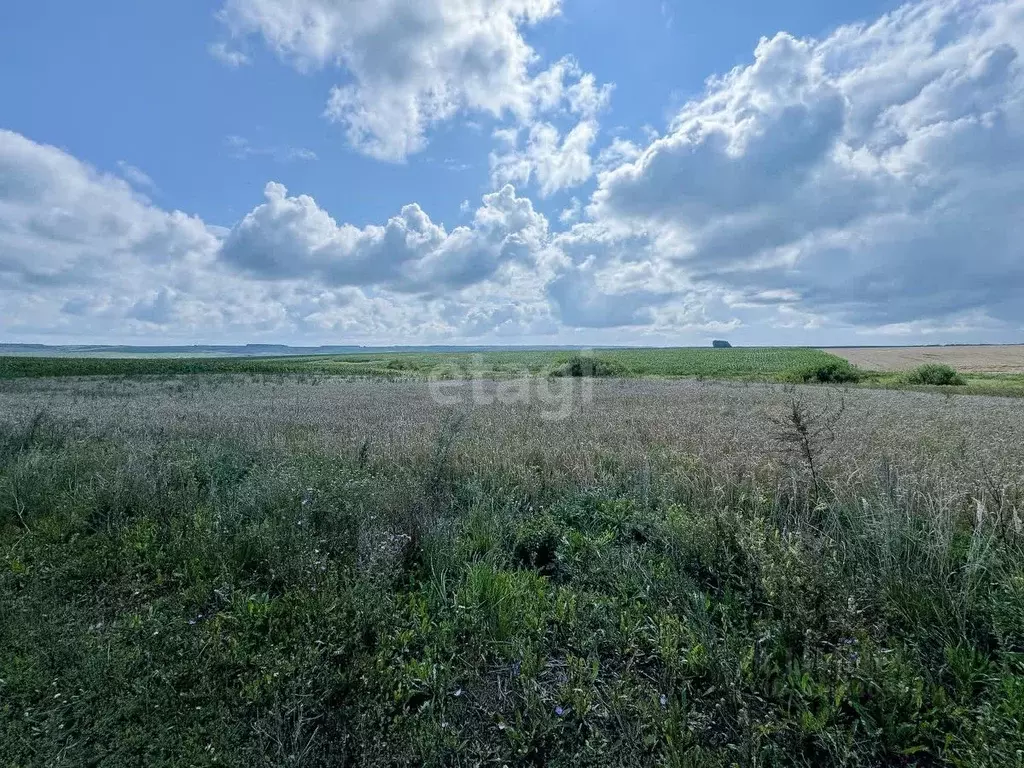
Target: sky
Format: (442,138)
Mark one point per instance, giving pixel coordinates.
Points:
(537,172)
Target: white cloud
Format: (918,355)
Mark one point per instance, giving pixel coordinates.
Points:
(293,238)
(620,151)
(410,65)
(872,177)
(83,256)
(868,182)
(582,303)
(241,148)
(227,56)
(555,162)
(571,214)
(586,97)
(63,222)
(136,176)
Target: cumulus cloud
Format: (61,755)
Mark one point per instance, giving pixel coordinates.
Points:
(615,154)
(867,182)
(83,255)
(871,177)
(556,163)
(61,222)
(411,65)
(292,237)
(582,303)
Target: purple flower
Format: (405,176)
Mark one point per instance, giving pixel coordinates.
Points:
(664,701)
(516,668)
(560,710)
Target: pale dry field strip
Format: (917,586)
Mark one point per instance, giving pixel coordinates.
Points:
(960,440)
(988,359)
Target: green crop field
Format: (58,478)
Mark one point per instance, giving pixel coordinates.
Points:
(779,364)
(769,363)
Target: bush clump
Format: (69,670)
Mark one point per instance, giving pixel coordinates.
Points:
(831,372)
(401,365)
(936,374)
(585,366)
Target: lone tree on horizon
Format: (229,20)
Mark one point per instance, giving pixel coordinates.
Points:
(719,344)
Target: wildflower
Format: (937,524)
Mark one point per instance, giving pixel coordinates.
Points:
(517,667)
(664,701)
(560,710)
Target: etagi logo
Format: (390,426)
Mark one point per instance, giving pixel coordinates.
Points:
(557,390)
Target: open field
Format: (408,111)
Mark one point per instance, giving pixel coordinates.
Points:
(768,364)
(315,570)
(772,362)
(979,359)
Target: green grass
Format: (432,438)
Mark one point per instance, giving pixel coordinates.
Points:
(750,363)
(990,384)
(37,367)
(1006,384)
(782,364)
(173,601)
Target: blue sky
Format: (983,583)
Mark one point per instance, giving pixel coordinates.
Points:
(511,171)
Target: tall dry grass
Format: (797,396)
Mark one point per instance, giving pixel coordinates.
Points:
(320,572)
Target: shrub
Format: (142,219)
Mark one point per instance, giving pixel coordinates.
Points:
(585,366)
(936,374)
(831,372)
(536,544)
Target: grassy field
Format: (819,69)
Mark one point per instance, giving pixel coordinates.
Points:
(772,364)
(282,570)
(710,363)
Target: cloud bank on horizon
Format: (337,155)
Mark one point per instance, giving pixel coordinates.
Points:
(866,184)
